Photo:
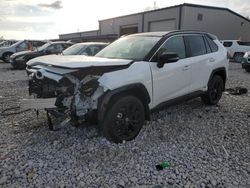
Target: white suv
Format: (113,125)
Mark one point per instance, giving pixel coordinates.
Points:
(131,77)
(236,49)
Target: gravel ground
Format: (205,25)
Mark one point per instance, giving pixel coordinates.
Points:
(205,146)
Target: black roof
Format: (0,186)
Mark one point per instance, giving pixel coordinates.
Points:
(181,5)
(173,32)
(153,34)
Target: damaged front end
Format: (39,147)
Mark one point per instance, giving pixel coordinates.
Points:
(73,81)
(76,93)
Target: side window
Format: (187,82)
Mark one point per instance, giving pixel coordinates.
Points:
(94,50)
(55,48)
(174,44)
(227,44)
(22,47)
(207,45)
(212,44)
(37,44)
(59,48)
(196,45)
(51,48)
(243,43)
(65,46)
(87,51)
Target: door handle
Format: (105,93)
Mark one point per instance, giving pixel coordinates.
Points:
(186,67)
(212,60)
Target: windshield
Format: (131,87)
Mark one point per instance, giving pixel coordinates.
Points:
(74,50)
(131,47)
(17,43)
(43,47)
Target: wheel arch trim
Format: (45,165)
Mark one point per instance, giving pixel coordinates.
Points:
(137,89)
(219,71)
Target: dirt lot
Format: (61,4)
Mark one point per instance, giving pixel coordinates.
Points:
(205,146)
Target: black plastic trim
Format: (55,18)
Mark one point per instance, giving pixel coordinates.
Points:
(177,100)
(104,101)
(217,70)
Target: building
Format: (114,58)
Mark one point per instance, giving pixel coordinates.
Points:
(223,22)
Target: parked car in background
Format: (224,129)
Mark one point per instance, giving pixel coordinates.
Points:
(132,76)
(236,49)
(19,60)
(85,48)
(246,61)
(23,45)
(7,43)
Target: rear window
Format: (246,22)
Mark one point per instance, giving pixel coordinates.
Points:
(227,44)
(211,43)
(196,45)
(243,43)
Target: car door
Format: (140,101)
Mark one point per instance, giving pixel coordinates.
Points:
(201,59)
(173,79)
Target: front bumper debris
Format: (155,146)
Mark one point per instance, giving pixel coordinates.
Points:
(38,104)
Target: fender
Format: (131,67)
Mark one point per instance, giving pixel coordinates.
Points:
(219,71)
(137,90)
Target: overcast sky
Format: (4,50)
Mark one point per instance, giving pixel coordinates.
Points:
(45,19)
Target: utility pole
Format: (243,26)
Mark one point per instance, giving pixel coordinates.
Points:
(155,7)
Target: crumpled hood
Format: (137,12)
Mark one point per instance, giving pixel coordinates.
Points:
(77,61)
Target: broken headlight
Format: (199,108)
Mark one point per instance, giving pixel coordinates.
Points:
(88,88)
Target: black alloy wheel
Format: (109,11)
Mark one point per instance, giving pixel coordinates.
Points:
(6,57)
(215,90)
(124,119)
(238,57)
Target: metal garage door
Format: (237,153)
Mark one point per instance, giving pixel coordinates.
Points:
(165,25)
(128,29)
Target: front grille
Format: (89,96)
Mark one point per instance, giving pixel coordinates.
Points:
(44,88)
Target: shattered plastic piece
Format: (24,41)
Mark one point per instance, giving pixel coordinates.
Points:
(38,104)
(162,166)
(236,91)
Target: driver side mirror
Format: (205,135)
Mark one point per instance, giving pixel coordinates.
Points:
(167,57)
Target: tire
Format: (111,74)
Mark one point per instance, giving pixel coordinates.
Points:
(238,57)
(92,117)
(124,119)
(6,57)
(214,92)
(247,70)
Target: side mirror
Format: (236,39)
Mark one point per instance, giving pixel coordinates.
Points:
(167,57)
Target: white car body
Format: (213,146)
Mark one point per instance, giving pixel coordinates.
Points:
(182,77)
(235,47)
(194,73)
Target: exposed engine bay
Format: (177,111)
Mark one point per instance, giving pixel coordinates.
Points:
(76,90)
